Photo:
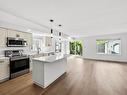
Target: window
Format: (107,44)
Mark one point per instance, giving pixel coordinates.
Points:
(58,47)
(111,46)
(37,44)
(76,47)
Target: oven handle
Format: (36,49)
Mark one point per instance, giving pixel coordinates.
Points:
(18,59)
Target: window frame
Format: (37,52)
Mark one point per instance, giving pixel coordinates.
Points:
(120,48)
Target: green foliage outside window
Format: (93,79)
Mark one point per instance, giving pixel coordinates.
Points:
(76,47)
(100,42)
(72,47)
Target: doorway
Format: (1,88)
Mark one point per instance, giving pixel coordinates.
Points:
(76,47)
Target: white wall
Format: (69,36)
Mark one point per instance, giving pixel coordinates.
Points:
(89,47)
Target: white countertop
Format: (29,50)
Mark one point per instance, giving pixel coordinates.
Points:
(4,58)
(50,58)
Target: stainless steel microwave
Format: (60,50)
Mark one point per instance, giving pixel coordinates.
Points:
(16,42)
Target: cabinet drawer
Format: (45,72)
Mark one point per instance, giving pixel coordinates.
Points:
(4,61)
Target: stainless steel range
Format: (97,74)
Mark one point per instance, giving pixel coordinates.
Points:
(19,63)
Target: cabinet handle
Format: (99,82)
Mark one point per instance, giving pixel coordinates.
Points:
(1,61)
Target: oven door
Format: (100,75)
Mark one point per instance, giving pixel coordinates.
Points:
(19,67)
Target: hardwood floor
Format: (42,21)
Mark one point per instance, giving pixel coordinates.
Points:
(83,77)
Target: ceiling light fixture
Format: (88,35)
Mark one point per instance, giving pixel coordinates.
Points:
(60,34)
(60,25)
(51,20)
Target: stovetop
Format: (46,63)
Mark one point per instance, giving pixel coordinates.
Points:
(15,55)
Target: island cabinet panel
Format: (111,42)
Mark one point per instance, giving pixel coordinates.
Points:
(46,69)
(54,71)
(37,74)
(3,39)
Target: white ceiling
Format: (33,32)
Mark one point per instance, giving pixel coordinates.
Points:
(78,17)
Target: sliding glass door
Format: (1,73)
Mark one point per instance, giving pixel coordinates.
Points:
(76,47)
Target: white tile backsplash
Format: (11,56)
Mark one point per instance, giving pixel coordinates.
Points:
(26,49)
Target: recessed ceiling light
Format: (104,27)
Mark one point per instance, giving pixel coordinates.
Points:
(51,20)
(60,25)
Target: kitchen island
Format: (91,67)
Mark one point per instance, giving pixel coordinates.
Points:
(47,69)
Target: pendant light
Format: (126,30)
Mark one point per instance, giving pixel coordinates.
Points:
(60,34)
(51,20)
(51,33)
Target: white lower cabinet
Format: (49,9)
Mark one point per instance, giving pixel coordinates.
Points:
(4,69)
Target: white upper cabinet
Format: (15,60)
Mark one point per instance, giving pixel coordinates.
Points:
(24,35)
(29,38)
(12,33)
(4,33)
(3,37)
(15,33)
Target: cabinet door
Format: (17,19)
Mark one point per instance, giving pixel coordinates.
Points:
(3,37)
(22,34)
(4,69)
(28,37)
(30,40)
(15,33)
(12,33)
